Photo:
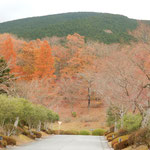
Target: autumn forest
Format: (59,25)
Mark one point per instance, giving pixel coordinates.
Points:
(87,82)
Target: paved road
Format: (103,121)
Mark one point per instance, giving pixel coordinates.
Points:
(67,142)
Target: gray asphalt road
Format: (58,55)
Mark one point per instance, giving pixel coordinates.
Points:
(67,142)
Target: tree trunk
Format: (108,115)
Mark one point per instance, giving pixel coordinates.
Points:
(46,125)
(3,122)
(8,132)
(89,98)
(115,128)
(121,117)
(29,126)
(72,107)
(122,120)
(39,126)
(16,122)
(51,125)
(145,118)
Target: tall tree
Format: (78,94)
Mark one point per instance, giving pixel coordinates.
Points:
(5,76)
(9,53)
(27,61)
(44,62)
(69,91)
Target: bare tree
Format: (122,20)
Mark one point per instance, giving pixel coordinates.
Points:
(69,90)
(121,85)
(37,91)
(89,82)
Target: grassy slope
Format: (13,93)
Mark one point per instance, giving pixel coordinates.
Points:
(91,25)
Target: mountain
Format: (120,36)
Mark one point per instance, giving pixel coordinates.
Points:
(107,28)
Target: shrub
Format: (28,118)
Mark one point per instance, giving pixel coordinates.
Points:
(42,129)
(98,132)
(74,114)
(8,128)
(3,144)
(62,132)
(18,107)
(112,129)
(121,145)
(26,132)
(132,122)
(32,136)
(116,140)
(131,139)
(55,131)
(140,137)
(71,132)
(111,136)
(37,134)
(112,114)
(22,123)
(107,132)
(84,132)
(29,134)
(49,131)
(19,130)
(122,132)
(25,127)
(9,140)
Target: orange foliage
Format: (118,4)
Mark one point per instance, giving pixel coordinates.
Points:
(9,54)
(44,62)
(27,61)
(36,60)
(8,50)
(77,62)
(110,68)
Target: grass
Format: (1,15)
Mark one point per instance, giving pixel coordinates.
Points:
(22,139)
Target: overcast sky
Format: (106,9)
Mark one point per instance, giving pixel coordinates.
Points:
(16,9)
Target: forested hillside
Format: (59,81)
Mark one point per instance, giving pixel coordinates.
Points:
(89,84)
(107,28)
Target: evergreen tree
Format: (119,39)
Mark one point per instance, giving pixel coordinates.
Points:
(5,76)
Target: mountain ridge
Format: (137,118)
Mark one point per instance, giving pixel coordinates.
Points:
(92,25)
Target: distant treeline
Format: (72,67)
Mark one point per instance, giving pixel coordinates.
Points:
(107,28)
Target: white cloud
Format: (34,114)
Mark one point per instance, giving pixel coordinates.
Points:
(15,9)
